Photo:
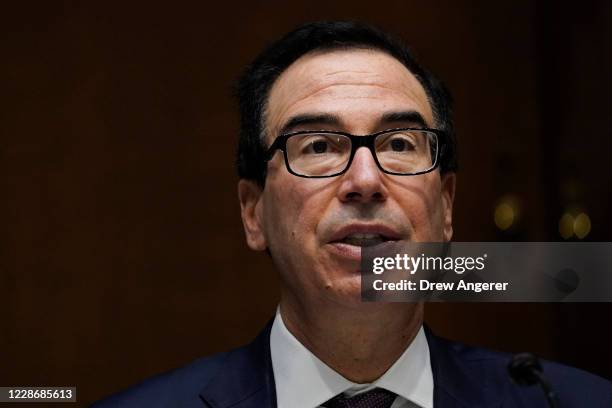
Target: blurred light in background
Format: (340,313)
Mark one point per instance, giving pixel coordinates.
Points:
(507,212)
(574,225)
(582,225)
(566,226)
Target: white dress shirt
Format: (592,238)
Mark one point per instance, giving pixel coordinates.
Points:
(304,381)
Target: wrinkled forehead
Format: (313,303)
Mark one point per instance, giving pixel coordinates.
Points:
(357,85)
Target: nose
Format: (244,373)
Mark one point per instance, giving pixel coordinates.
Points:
(362,182)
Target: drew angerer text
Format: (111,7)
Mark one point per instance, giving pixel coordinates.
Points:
(425,285)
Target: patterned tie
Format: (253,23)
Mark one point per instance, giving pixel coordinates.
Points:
(376,398)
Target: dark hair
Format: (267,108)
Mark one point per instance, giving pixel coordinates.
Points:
(257,80)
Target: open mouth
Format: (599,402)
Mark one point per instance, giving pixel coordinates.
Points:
(365,240)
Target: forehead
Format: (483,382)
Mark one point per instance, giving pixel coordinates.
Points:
(356,85)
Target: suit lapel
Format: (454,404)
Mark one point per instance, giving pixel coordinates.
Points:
(457,382)
(245,379)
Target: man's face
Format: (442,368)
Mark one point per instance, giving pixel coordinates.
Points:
(314,228)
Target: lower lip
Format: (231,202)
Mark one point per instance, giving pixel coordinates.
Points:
(346,251)
(353,252)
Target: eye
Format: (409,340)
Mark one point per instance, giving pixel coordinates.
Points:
(398,145)
(319,146)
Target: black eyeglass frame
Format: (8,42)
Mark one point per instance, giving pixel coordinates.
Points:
(357,141)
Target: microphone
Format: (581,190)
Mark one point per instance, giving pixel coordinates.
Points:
(525,369)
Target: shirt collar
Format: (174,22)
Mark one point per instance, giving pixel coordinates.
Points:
(304,381)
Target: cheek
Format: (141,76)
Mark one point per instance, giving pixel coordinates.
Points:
(285,205)
(293,209)
(278,216)
(422,204)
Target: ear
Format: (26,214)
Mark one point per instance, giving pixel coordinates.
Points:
(448,197)
(250,195)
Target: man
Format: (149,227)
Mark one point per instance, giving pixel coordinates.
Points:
(347,142)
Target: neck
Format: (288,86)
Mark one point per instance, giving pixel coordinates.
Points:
(359,342)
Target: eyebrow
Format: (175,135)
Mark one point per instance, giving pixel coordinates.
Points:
(412,117)
(310,119)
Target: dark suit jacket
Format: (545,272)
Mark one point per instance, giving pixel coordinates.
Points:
(463,377)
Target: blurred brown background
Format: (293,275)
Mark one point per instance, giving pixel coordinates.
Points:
(122,253)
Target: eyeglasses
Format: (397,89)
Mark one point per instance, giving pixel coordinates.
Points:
(320,153)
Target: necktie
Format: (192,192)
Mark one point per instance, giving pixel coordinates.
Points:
(376,398)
